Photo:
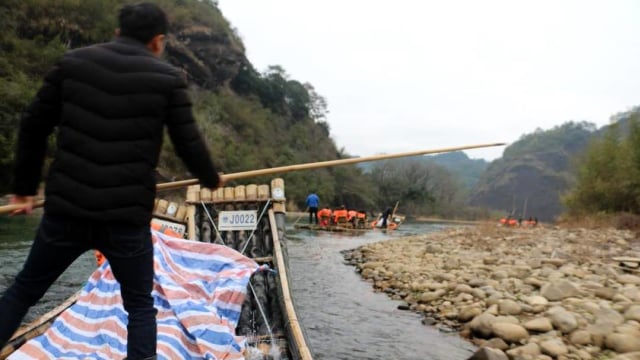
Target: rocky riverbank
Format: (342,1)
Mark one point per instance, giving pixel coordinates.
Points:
(536,293)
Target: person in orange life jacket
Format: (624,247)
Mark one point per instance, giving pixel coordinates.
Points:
(361,218)
(110,104)
(324,215)
(339,214)
(313,201)
(351,217)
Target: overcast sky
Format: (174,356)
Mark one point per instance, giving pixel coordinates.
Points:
(407,75)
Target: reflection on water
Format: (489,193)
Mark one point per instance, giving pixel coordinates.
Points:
(344,318)
(16,236)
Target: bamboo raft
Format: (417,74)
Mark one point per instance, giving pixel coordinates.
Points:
(265,244)
(268,318)
(331,228)
(349,228)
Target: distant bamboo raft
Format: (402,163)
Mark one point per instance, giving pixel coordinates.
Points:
(332,228)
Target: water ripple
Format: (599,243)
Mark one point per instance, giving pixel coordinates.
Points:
(343,317)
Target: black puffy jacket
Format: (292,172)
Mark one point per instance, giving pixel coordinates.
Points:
(110,103)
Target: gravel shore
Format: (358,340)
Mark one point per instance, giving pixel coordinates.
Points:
(522,293)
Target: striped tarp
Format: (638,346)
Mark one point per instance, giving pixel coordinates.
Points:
(198,290)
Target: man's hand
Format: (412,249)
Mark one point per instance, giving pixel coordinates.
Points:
(25,202)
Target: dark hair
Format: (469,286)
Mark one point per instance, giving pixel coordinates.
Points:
(142,21)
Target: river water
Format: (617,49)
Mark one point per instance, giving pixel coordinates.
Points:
(342,315)
(16,236)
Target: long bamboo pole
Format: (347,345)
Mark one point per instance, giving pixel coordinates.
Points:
(322,164)
(393,214)
(289,168)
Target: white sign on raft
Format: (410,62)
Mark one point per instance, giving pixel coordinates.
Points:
(164,224)
(237,220)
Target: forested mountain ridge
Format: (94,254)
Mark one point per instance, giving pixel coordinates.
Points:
(466,169)
(539,169)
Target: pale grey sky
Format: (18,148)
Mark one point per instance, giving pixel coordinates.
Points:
(407,75)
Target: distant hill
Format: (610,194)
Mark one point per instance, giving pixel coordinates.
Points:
(536,169)
(458,163)
(465,169)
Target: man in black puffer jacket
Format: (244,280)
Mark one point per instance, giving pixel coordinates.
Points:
(110,103)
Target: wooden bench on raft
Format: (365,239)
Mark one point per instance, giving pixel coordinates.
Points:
(180,216)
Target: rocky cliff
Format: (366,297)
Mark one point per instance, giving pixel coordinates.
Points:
(211,59)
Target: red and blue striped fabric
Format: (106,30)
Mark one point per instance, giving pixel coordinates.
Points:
(198,291)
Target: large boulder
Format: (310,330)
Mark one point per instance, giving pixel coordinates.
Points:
(554,347)
(564,321)
(486,353)
(511,333)
(540,324)
(622,343)
(633,313)
(559,289)
(481,325)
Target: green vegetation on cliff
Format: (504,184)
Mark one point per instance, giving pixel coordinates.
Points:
(608,179)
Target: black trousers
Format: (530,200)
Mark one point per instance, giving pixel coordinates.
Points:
(313,214)
(58,243)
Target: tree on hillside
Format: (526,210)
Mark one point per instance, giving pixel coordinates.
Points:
(423,188)
(318,107)
(23,61)
(568,136)
(353,189)
(608,178)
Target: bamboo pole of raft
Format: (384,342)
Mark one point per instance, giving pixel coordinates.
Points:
(393,214)
(301,216)
(322,164)
(289,168)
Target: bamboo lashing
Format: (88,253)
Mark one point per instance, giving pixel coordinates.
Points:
(289,168)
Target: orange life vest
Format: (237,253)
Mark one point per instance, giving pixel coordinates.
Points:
(341,213)
(324,212)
